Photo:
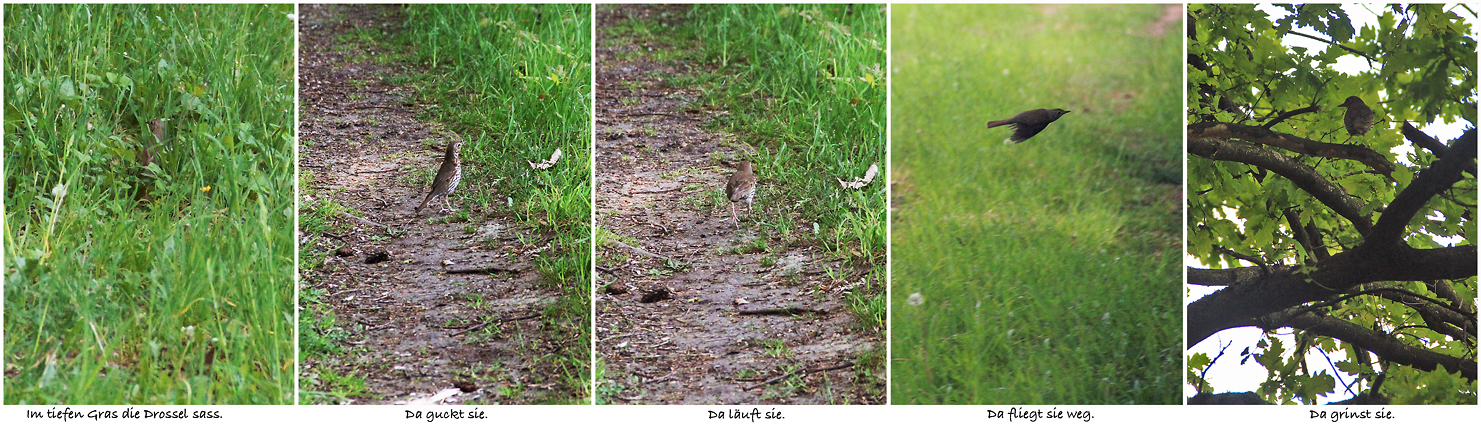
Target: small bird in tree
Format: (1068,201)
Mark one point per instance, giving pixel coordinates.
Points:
(1028,123)
(448,175)
(742,185)
(1359,118)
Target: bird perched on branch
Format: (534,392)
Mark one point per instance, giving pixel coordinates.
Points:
(448,175)
(742,185)
(1359,118)
(1028,123)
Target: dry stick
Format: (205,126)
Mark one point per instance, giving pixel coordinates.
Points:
(656,114)
(615,336)
(782,311)
(485,270)
(655,191)
(378,171)
(663,379)
(845,365)
(361,220)
(485,324)
(639,251)
(392,108)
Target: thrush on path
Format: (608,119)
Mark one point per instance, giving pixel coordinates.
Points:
(1028,123)
(1359,118)
(742,185)
(448,175)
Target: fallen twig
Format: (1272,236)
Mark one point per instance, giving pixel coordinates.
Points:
(486,324)
(361,220)
(656,114)
(790,311)
(639,251)
(484,270)
(805,372)
(654,191)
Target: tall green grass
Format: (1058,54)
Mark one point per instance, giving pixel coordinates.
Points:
(1047,271)
(805,86)
(517,80)
(121,282)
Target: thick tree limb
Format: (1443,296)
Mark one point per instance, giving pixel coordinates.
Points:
(1385,346)
(1265,136)
(1419,138)
(1440,176)
(1302,175)
(1234,276)
(1237,305)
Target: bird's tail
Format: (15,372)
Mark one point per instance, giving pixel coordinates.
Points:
(991,124)
(424,204)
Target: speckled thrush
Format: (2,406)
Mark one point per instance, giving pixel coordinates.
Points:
(147,149)
(448,175)
(1028,123)
(1359,118)
(742,185)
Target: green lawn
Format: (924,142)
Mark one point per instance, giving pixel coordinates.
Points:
(1047,271)
(166,284)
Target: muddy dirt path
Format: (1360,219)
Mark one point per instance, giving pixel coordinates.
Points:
(660,181)
(416,322)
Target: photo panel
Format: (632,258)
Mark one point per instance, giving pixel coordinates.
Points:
(740,225)
(445,204)
(149,204)
(1331,204)
(1036,204)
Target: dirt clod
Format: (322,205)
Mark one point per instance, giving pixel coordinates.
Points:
(378,256)
(656,295)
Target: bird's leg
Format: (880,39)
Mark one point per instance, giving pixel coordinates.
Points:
(732,215)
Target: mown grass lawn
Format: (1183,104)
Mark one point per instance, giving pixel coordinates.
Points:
(1044,272)
(169,283)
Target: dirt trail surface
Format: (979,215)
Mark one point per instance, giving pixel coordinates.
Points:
(657,175)
(416,325)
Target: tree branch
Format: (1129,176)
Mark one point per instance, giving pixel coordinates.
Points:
(1440,176)
(1333,43)
(1301,145)
(1289,114)
(1234,276)
(1302,175)
(1385,346)
(1237,305)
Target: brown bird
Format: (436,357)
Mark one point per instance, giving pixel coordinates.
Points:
(1359,118)
(1028,123)
(145,153)
(448,175)
(742,185)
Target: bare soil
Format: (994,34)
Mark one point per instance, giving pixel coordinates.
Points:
(687,328)
(417,326)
